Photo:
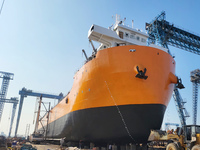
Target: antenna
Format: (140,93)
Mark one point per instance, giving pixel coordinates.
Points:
(132,23)
(117,19)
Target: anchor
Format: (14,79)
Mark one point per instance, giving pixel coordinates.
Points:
(180,84)
(141,74)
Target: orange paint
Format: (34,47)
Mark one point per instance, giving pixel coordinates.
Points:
(109,80)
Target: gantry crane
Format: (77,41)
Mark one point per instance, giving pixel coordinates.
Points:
(162,33)
(4,87)
(15,102)
(24,93)
(195,79)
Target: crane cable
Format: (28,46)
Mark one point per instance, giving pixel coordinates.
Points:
(2,6)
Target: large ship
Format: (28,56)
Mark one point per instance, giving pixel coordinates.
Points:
(119,94)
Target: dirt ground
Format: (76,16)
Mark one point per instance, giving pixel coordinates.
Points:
(52,147)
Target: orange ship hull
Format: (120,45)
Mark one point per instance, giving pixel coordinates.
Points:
(108,103)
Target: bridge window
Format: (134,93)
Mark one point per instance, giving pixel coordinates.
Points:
(132,36)
(138,38)
(66,100)
(143,40)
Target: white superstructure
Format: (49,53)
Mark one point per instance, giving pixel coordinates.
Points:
(119,35)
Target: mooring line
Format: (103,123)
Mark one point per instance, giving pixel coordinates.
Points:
(120,113)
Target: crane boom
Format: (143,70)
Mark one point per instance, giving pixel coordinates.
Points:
(163,33)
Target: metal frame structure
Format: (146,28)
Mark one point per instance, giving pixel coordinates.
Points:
(40,118)
(167,124)
(4,88)
(24,93)
(15,102)
(163,33)
(182,112)
(195,79)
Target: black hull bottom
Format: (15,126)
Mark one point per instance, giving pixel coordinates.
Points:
(121,124)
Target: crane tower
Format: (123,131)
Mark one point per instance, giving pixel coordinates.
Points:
(195,79)
(4,87)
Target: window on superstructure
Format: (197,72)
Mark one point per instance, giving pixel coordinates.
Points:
(143,40)
(121,34)
(138,38)
(66,100)
(126,34)
(132,36)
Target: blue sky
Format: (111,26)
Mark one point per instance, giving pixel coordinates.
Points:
(41,43)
